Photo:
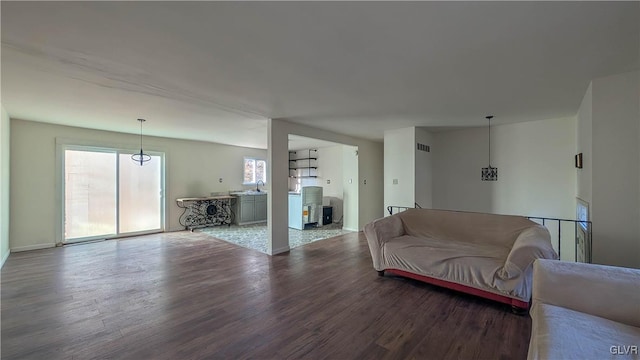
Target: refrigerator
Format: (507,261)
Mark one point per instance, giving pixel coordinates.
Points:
(305,207)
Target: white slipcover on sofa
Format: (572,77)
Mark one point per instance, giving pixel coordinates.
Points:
(483,254)
(584,311)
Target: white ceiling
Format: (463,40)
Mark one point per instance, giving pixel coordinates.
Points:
(216,71)
(302,143)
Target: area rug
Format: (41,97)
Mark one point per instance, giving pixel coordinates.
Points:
(255,236)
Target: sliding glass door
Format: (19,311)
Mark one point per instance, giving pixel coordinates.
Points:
(139,198)
(90,194)
(107,195)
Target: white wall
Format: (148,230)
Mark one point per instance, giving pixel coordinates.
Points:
(423,169)
(298,182)
(399,166)
(371,184)
(4,185)
(615,205)
(350,185)
(407,171)
(278,177)
(192,169)
(330,161)
(536,175)
(458,157)
(536,171)
(585,145)
(330,169)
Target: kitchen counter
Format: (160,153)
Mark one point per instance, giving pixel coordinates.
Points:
(181,201)
(248,192)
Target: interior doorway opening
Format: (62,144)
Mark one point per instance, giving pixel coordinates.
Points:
(313,163)
(330,168)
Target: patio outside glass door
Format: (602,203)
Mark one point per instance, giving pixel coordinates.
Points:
(107,195)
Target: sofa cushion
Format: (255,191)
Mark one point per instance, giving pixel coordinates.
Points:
(460,262)
(609,292)
(560,333)
(478,228)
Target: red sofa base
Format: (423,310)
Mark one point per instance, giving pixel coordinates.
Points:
(462,288)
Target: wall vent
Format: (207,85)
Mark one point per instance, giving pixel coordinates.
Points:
(423,147)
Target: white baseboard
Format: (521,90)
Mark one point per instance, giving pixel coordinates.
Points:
(32,247)
(350,229)
(4,258)
(280,250)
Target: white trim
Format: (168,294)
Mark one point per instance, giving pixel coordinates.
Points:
(135,233)
(281,250)
(60,189)
(90,239)
(350,229)
(32,247)
(117,180)
(63,144)
(163,192)
(4,258)
(85,239)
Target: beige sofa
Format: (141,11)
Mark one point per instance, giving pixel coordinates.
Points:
(584,311)
(482,254)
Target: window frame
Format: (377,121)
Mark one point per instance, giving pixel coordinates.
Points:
(63,144)
(255,159)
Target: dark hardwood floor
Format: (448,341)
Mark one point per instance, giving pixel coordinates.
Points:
(186,295)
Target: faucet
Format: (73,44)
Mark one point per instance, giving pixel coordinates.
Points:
(258,184)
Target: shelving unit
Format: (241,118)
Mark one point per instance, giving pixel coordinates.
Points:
(297,166)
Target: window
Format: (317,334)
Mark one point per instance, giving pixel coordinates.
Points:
(254,170)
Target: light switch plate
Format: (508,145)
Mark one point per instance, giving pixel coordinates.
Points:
(328,181)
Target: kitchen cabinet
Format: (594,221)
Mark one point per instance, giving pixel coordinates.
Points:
(261,208)
(250,209)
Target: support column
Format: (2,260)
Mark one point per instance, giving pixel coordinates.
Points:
(278,178)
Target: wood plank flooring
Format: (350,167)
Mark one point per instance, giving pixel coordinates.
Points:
(188,296)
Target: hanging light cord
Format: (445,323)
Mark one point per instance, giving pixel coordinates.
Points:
(141,121)
(489,117)
(141,158)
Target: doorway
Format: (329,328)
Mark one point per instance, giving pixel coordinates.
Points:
(106,195)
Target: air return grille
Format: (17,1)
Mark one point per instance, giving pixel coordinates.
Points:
(423,147)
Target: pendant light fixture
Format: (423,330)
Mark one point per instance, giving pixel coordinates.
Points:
(141,158)
(489,173)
